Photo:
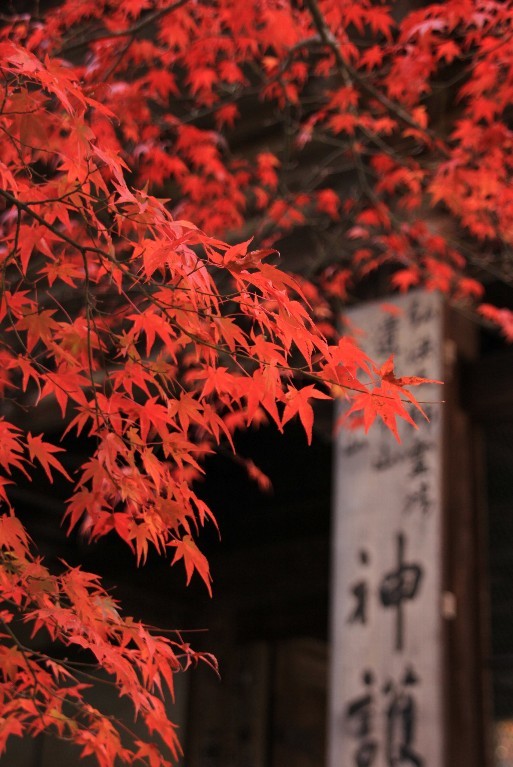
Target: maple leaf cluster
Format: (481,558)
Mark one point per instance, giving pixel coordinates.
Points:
(154,153)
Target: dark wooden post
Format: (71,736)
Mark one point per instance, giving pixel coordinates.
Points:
(464,602)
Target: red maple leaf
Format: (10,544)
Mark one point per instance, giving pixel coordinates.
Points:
(45,454)
(297,403)
(193,560)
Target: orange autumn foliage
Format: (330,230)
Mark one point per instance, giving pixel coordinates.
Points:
(133,296)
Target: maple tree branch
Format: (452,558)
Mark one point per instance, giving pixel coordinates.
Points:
(151,18)
(234,355)
(61,695)
(26,652)
(51,227)
(346,69)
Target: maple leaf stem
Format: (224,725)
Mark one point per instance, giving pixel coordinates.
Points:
(88,303)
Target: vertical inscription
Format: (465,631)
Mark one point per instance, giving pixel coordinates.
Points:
(386,628)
